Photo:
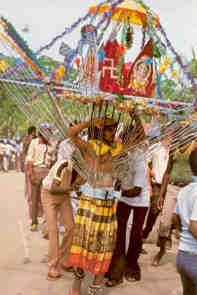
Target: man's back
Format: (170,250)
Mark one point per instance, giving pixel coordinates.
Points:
(186,208)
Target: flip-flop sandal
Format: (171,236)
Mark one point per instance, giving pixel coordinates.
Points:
(95,290)
(50,277)
(113,283)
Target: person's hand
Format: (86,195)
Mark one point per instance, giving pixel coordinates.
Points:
(30,175)
(67,189)
(99,122)
(160,203)
(150,191)
(56,182)
(132,193)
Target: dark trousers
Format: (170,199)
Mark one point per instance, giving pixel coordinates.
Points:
(187,267)
(122,260)
(151,220)
(153,211)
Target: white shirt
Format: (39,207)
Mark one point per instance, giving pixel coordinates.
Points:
(9,149)
(39,153)
(186,208)
(159,156)
(65,150)
(137,161)
(2,148)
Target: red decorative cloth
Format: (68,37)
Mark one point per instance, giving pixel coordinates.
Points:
(137,78)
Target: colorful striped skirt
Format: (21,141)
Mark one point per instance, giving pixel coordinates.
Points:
(94,235)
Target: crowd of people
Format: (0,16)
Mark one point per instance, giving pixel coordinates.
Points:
(12,152)
(93,204)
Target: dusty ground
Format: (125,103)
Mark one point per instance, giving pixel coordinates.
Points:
(17,242)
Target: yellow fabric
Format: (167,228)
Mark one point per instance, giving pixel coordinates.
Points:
(90,255)
(127,11)
(94,236)
(100,148)
(3,66)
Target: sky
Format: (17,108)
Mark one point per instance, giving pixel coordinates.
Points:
(47,18)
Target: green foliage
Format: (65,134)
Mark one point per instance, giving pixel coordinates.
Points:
(11,118)
(171,91)
(48,63)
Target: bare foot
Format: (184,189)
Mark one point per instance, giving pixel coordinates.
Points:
(74,292)
(157,259)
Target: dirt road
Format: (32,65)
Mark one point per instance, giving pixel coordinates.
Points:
(18,245)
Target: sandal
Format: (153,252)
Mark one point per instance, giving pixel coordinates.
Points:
(113,283)
(157,260)
(78,274)
(51,277)
(34,227)
(133,275)
(94,289)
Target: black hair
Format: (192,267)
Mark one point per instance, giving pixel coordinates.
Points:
(193,161)
(141,63)
(31,129)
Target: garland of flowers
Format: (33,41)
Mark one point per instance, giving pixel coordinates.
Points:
(69,30)
(11,31)
(97,10)
(143,38)
(105,17)
(178,59)
(151,31)
(14,70)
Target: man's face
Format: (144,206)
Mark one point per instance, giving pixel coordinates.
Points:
(109,133)
(33,134)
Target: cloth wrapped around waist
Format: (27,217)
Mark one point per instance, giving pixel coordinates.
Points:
(99,193)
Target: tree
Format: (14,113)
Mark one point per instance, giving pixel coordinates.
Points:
(11,118)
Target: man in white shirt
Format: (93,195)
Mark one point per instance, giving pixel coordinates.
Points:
(40,157)
(65,150)
(9,150)
(158,162)
(185,219)
(135,197)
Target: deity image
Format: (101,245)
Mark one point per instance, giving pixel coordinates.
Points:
(140,75)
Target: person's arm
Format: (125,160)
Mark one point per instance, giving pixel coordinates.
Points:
(193,221)
(56,187)
(150,175)
(73,132)
(176,221)
(165,182)
(193,228)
